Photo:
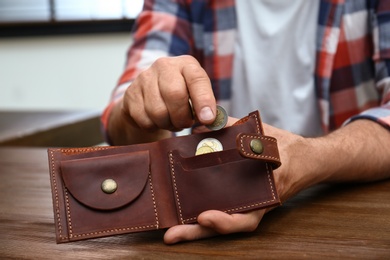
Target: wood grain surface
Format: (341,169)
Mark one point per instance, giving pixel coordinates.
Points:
(324,222)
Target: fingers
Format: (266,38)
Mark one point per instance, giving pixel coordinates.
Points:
(183,233)
(199,87)
(193,84)
(224,223)
(212,223)
(173,92)
(159,96)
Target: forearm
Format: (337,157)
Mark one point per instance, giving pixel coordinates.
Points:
(358,152)
(122,132)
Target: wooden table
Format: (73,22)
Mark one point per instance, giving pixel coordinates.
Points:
(50,128)
(345,221)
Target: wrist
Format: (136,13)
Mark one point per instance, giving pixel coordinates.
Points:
(354,153)
(300,168)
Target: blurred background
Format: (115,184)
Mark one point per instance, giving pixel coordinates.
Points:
(62,54)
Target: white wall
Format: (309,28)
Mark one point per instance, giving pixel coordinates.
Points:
(60,72)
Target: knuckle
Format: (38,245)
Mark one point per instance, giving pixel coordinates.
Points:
(197,78)
(143,76)
(189,59)
(161,117)
(176,93)
(142,122)
(162,62)
(197,73)
(159,112)
(147,125)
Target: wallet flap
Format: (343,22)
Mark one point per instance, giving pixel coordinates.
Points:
(127,175)
(261,147)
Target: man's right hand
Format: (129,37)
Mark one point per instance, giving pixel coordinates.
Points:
(158,101)
(159,97)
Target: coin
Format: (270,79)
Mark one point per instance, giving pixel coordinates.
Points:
(220,119)
(215,144)
(204,149)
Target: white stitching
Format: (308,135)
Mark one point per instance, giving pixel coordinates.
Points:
(108,231)
(68,213)
(68,210)
(245,207)
(154,202)
(57,208)
(175,187)
(83,150)
(256,155)
(270,182)
(257,123)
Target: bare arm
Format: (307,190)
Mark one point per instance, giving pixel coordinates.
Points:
(358,152)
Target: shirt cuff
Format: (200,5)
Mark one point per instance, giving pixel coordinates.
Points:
(380,115)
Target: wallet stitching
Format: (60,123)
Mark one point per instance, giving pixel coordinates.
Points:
(257,123)
(245,119)
(68,210)
(261,156)
(244,207)
(258,203)
(175,186)
(83,150)
(54,181)
(257,155)
(68,213)
(270,182)
(113,230)
(154,201)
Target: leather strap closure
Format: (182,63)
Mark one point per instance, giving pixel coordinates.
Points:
(259,147)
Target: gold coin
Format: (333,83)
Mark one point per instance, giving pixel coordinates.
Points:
(220,119)
(204,149)
(215,144)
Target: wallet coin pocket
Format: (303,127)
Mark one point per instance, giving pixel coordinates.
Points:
(104,189)
(223,181)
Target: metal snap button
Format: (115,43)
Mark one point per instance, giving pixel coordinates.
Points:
(256,146)
(109,186)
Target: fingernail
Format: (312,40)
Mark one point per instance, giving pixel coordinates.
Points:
(206,114)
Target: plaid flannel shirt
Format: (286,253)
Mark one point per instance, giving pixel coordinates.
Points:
(352,52)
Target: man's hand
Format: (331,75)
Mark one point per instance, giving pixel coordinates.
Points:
(347,155)
(158,102)
(212,223)
(159,97)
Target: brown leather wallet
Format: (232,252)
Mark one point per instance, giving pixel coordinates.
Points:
(161,184)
